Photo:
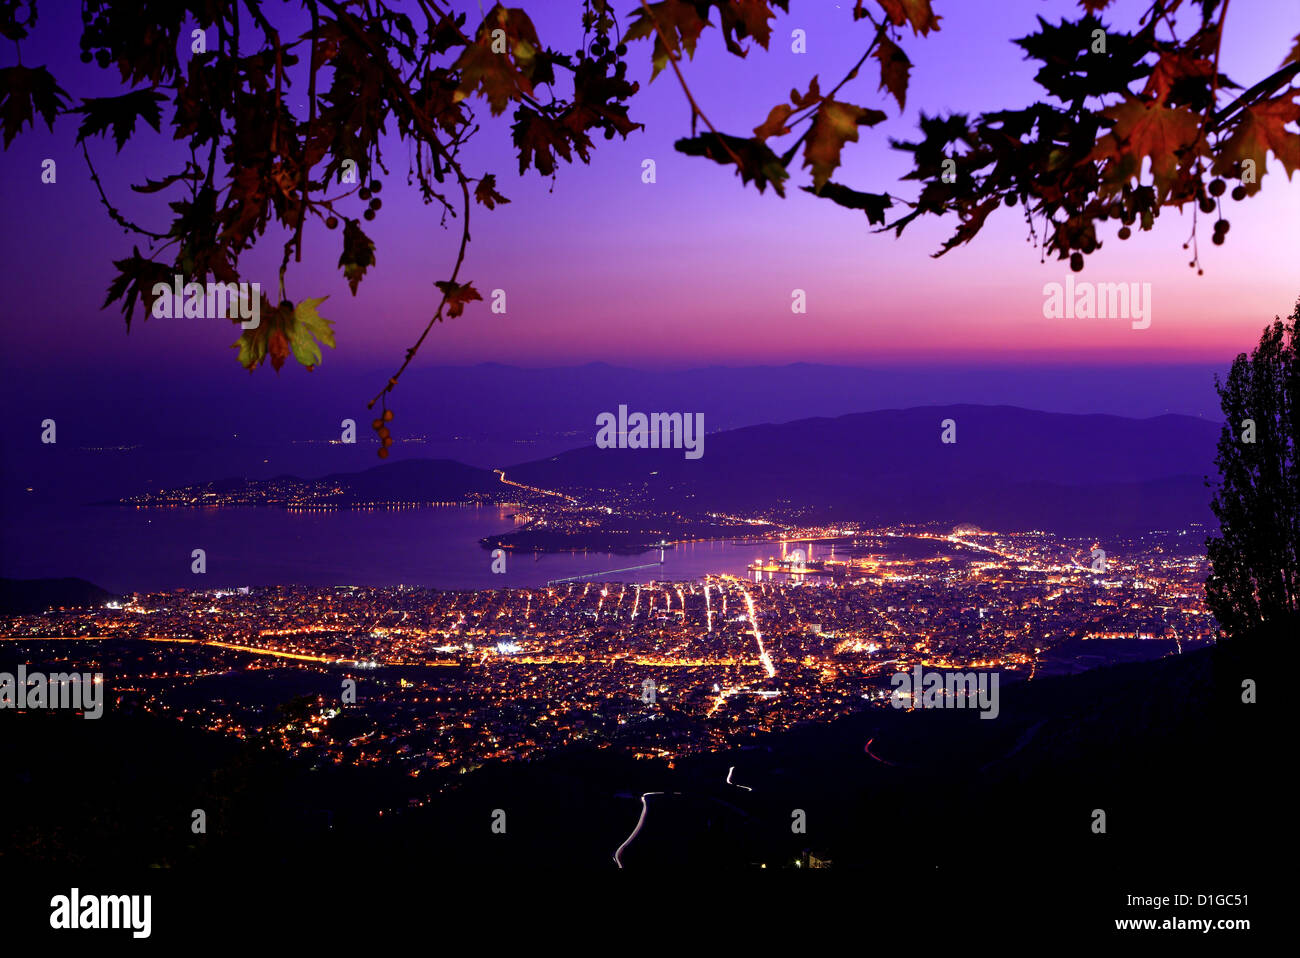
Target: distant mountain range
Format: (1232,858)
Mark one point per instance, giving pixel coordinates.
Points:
(1009,468)
(490,414)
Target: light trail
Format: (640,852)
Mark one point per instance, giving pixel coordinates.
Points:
(718,703)
(874,755)
(879,665)
(730,782)
(520,485)
(275,653)
(763,657)
(589,575)
(233,647)
(645,808)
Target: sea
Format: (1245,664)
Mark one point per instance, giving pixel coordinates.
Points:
(125,549)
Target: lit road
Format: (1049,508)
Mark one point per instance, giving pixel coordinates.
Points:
(520,485)
(618,855)
(763,657)
(730,782)
(234,647)
(874,755)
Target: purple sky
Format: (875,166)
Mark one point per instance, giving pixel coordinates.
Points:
(692,270)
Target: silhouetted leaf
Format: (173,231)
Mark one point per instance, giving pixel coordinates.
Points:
(486,192)
(873,204)
(457,295)
(358,254)
(757,161)
(135,280)
(914,12)
(676,20)
(25,92)
(894,68)
(119,113)
(834,124)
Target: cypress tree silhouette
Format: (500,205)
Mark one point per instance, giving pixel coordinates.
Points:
(1255,557)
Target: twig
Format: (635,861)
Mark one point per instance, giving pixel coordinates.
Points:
(880,32)
(311,121)
(460,258)
(117,217)
(421,122)
(1266,85)
(695,107)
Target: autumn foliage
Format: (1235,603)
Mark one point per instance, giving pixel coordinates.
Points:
(282,108)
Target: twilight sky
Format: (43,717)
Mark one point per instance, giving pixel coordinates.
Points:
(692,270)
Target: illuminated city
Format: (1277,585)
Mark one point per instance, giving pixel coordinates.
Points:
(647,474)
(449,681)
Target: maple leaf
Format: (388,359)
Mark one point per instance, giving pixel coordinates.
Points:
(255,344)
(1169,137)
(597,104)
(1172,67)
(802,101)
(136,278)
(119,112)
(676,20)
(539,138)
(873,204)
(1072,71)
(746,18)
(1294,55)
(972,221)
(834,124)
(894,68)
(486,192)
(24,92)
(358,254)
(500,78)
(307,323)
(456,296)
(252,350)
(1261,129)
(757,161)
(774,125)
(916,12)
(278,349)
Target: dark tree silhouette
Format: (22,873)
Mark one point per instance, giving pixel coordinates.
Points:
(1255,558)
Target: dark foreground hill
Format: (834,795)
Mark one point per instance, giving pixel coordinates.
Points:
(27,596)
(944,808)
